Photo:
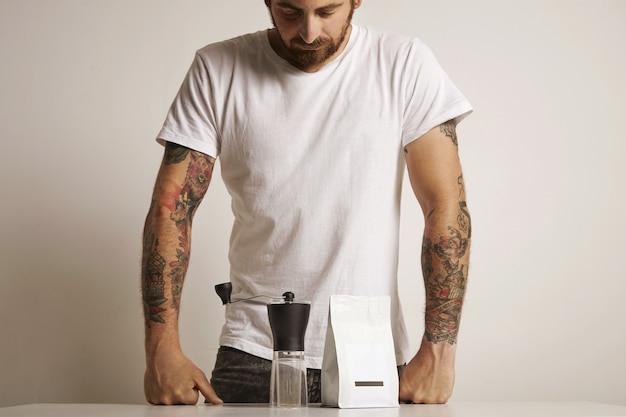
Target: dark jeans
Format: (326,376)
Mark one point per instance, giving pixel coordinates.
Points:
(239,377)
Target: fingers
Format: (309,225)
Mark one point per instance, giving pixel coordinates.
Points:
(426,398)
(174,397)
(185,391)
(207,391)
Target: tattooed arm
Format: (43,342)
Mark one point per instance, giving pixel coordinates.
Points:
(437,181)
(183,179)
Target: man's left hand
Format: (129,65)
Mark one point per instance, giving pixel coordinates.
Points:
(429,377)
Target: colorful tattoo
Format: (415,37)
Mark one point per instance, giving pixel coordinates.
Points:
(195,186)
(444,267)
(445,279)
(183,208)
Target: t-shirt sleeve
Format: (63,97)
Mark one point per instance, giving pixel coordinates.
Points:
(190,121)
(432,98)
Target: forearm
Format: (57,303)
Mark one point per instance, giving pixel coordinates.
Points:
(445,263)
(164,264)
(181,184)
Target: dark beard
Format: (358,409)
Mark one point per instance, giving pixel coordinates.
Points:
(303,58)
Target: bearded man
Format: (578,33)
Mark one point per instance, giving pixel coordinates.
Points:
(314,122)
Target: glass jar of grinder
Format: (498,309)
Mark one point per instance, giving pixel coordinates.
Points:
(288,321)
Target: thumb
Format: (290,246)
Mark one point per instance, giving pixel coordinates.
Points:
(207,391)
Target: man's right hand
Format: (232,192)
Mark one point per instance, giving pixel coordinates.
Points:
(171,378)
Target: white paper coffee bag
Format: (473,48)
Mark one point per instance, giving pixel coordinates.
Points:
(359,366)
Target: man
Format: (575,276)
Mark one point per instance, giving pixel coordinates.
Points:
(314,121)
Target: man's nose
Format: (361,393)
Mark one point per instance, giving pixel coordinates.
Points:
(310,29)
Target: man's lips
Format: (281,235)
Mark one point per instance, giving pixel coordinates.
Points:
(307,47)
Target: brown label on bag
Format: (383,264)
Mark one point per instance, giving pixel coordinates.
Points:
(369,384)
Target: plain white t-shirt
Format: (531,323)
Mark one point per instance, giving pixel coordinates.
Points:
(314,165)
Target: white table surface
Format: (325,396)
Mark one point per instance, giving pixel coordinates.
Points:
(453,409)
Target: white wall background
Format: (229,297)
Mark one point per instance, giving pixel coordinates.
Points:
(84,87)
